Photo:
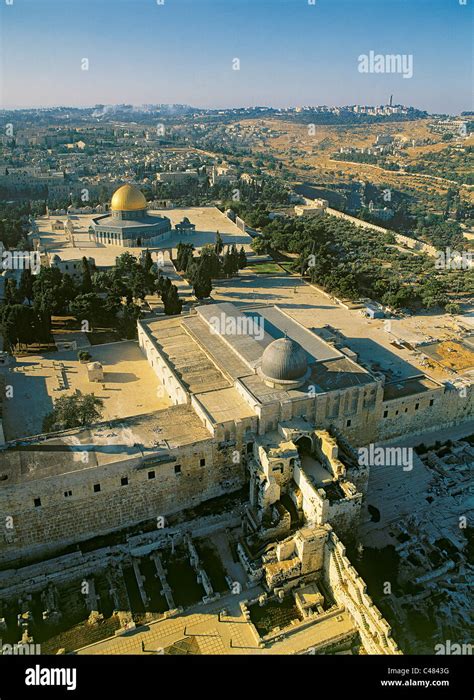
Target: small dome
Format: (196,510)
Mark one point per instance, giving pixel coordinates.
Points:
(284,360)
(128,198)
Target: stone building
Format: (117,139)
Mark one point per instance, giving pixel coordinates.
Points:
(128,223)
(256,398)
(70,266)
(185,226)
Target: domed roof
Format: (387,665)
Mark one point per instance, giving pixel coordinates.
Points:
(127,198)
(284,360)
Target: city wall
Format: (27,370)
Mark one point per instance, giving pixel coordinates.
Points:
(349,589)
(61,520)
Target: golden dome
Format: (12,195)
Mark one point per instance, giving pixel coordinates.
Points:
(127,198)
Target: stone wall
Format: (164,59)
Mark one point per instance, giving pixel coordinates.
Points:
(403,240)
(61,520)
(349,589)
(344,516)
(354,412)
(315,507)
(163,370)
(418,413)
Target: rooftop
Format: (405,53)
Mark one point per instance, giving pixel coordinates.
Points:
(221,343)
(408,387)
(194,368)
(112,221)
(137,437)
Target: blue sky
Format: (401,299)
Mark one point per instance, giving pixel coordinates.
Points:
(291,53)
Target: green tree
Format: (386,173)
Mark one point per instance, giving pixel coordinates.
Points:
(202,284)
(126,263)
(147,261)
(87,307)
(433,293)
(171,301)
(184,254)
(230,262)
(78,410)
(50,294)
(242,259)
(219,244)
(452,308)
(127,321)
(209,262)
(20,325)
(26,285)
(139,283)
(86,283)
(11,292)
(163,285)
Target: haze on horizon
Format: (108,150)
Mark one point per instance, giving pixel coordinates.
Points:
(291,53)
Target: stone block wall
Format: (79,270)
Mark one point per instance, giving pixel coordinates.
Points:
(315,507)
(163,370)
(349,589)
(85,512)
(440,407)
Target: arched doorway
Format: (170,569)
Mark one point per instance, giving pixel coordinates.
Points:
(304,445)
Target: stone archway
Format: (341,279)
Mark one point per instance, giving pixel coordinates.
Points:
(304,445)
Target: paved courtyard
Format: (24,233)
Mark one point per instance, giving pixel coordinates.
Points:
(130,386)
(214,634)
(208,221)
(313,309)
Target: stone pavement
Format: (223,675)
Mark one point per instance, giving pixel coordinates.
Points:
(231,634)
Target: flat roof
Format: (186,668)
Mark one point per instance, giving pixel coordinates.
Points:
(408,387)
(228,361)
(265,394)
(270,323)
(194,368)
(277,322)
(138,437)
(249,347)
(208,361)
(225,405)
(342,373)
(115,222)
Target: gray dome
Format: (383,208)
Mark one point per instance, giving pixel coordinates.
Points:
(284,360)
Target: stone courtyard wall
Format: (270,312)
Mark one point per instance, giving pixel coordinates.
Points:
(163,370)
